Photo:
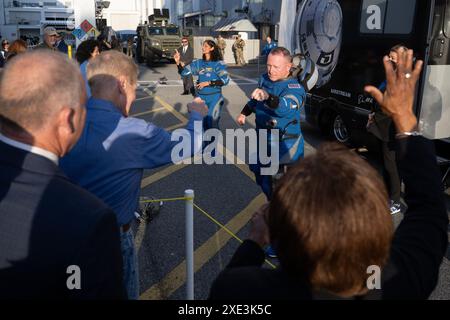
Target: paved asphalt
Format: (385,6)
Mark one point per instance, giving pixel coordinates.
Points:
(226,192)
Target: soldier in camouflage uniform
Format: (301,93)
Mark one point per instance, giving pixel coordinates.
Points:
(238,47)
(221,43)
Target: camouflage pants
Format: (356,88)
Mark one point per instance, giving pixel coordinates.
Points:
(240,57)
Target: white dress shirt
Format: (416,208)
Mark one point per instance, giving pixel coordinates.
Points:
(26,147)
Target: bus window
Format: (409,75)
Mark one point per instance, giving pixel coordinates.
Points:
(447,19)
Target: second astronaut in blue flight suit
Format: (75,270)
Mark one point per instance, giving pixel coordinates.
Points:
(270,45)
(212,76)
(277,103)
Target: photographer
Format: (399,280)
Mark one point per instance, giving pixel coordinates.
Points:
(382,127)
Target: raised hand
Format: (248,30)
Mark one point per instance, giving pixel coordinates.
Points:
(397,101)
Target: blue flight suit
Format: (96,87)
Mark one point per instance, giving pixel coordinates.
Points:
(282,111)
(268,47)
(212,95)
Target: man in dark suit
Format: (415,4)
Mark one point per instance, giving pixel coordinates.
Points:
(341,245)
(61,44)
(56,239)
(186,56)
(4,52)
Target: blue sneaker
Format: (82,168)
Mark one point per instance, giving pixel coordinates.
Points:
(270,252)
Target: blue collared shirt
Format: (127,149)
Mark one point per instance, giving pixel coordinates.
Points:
(83,69)
(112,152)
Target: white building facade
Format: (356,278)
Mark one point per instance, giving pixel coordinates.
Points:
(26,19)
(203,14)
(127,14)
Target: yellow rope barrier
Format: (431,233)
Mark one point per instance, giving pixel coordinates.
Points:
(166,200)
(208,216)
(218,223)
(227,230)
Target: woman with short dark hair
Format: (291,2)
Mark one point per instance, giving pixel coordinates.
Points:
(212,76)
(86,51)
(17,47)
(4,52)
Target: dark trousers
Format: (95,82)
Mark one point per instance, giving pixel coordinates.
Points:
(390,171)
(188,84)
(383,128)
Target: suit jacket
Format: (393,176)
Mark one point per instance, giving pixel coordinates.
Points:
(62,47)
(417,249)
(48,224)
(187,57)
(43,45)
(3,56)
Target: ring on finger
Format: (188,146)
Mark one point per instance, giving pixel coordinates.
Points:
(407,75)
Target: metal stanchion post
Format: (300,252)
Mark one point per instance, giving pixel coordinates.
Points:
(189,244)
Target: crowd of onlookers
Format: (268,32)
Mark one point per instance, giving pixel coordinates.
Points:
(72,161)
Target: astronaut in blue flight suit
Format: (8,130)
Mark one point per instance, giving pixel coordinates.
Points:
(277,104)
(269,46)
(212,76)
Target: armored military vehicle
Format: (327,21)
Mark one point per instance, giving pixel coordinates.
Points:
(157,38)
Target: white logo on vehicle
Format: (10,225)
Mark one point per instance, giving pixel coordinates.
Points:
(374,20)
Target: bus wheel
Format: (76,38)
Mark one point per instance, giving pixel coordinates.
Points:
(340,131)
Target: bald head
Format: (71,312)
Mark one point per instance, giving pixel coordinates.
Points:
(107,68)
(35,86)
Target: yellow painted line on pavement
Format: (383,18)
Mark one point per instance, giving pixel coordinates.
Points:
(244,168)
(144,98)
(176,126)
(140,233)
(172,110)
(148,112)
(177,277)
(176,167)
(232,158)
(161,174)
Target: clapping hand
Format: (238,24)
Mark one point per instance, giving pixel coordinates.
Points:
(199,106)
(260,95)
